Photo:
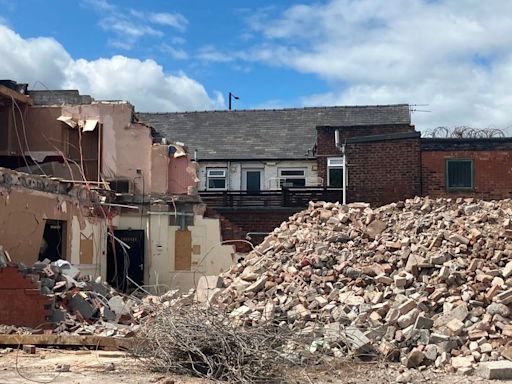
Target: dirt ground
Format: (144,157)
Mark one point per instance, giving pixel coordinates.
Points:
(97,367)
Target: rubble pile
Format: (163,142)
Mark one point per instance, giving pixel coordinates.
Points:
(81,306)
(428,282)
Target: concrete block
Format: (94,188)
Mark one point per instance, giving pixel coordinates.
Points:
(30,349)
(495,370)
(357,341)
(78,303)
(423,322)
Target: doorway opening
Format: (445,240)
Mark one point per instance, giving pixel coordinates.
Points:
(123,262)
(53,243)
(252,180)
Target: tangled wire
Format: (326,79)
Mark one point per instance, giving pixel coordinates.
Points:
(464,132)
(203,342)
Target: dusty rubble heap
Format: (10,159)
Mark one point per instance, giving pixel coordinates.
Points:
(423,281)
(78,305)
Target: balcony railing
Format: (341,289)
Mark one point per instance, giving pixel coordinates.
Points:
(285,198)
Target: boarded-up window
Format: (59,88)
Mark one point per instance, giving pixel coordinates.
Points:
(183,250)
(459,174)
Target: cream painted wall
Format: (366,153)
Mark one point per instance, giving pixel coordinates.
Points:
(270,168)
(212,259)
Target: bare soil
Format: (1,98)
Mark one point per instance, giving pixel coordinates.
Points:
(97,367)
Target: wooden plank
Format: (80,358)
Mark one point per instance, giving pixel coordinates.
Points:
(8,92)
(99,342)
(183,250)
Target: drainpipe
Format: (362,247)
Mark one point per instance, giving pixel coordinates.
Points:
(341,147)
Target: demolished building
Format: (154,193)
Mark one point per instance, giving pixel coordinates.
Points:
(148,227)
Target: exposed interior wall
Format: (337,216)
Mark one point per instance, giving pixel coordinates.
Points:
(270,171)
(46,135)
(182,175)
(12,122)
(125,146)
(23,214)
(159,169)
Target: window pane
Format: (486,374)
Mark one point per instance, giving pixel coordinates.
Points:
(335,162)
(335,177)
(216,172)
(459,174)
(216,183)
(292,172)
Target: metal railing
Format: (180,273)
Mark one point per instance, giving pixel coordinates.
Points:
(286,197)
(276,183)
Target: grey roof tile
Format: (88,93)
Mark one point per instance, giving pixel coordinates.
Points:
(264,134)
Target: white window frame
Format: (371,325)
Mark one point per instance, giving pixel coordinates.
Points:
(336,163)
(285,177)
(223,176)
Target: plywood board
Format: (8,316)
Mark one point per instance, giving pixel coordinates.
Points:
(86,251)
(183,250)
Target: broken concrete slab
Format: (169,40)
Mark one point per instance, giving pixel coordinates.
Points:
(495,370)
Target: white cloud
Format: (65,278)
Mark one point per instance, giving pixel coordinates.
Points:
(142,82)
(128,26)
(455,55)
(175,20)
(99,5)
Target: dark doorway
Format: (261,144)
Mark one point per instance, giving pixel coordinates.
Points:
(253,181)
(122,262)
(52,243)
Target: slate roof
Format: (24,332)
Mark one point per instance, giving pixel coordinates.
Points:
(264,134)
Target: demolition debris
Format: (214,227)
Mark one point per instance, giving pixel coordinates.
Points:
(53,298)
(426,282)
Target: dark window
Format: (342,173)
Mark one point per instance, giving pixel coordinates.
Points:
(459,174)
(335,177)
(292,172)
(289,178)
(216,183)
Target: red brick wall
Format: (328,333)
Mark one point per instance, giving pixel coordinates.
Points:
(254,221)
(493,173)
(379,172)
(325,135)
(383,172)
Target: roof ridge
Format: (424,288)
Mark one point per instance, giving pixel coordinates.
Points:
(280,109)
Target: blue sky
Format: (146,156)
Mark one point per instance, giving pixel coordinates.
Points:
(453,55)
(79,27)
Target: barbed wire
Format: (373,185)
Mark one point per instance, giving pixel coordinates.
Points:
(465,132)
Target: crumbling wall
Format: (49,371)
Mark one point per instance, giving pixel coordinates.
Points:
(24,211)
(125,146)
(159,169)
(45,134)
